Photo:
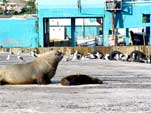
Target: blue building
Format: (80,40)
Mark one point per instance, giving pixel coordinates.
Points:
(67,9)
(113,15)
(18,32)
(130,14)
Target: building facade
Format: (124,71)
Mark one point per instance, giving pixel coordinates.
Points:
(117,19)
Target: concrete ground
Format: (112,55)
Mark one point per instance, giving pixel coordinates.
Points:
(126,89)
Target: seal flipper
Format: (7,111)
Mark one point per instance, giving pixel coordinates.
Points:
(2,82)
(42,79)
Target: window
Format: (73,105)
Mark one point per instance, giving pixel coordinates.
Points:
(146,18)
(110,32)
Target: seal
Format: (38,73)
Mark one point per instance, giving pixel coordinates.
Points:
(39,71)
(79,79)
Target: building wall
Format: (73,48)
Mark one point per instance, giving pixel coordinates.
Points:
(18,33)
(90,31)
(84,27)
(131,16)
(23,33)
(132,13)
(67,9)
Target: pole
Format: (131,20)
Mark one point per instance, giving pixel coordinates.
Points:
(143,36)
(113,27)
(83,28)
(73,38)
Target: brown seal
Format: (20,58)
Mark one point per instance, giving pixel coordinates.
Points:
(39,71)
(80,79)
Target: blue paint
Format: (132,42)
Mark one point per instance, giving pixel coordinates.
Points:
(107,25)
(70,12)
(127,36)
(22,32)
(90,31)
(73,40)
(68,9)
(131,16)
(18,33)
(40,33)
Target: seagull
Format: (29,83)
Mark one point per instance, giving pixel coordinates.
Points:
(121,55)
(20,58)
(148,60)
(117,57)
(106,57)
(33,54)
(84,58)
(76,56)
(97,55)
(8,57)
(124,57)
(18,53)
(11,52)
(133,56)
(91,56)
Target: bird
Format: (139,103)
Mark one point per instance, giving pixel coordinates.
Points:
(117,57)
(84,58)
(18,53)
(133,56)
(33,54)
(97,55)
(8,57)
(91,56)
(20,58)
(11,52)
(124,57)
(121,55)
(76,56)
(148,60)
(106,57)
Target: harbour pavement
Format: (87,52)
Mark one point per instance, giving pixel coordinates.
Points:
(126,88)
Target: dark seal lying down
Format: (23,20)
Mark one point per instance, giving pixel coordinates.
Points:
(80,79)
(39,71)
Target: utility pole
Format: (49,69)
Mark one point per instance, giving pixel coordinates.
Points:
(113,27)
(83,30)
(143,36)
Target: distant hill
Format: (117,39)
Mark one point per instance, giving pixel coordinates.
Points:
(17,7)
